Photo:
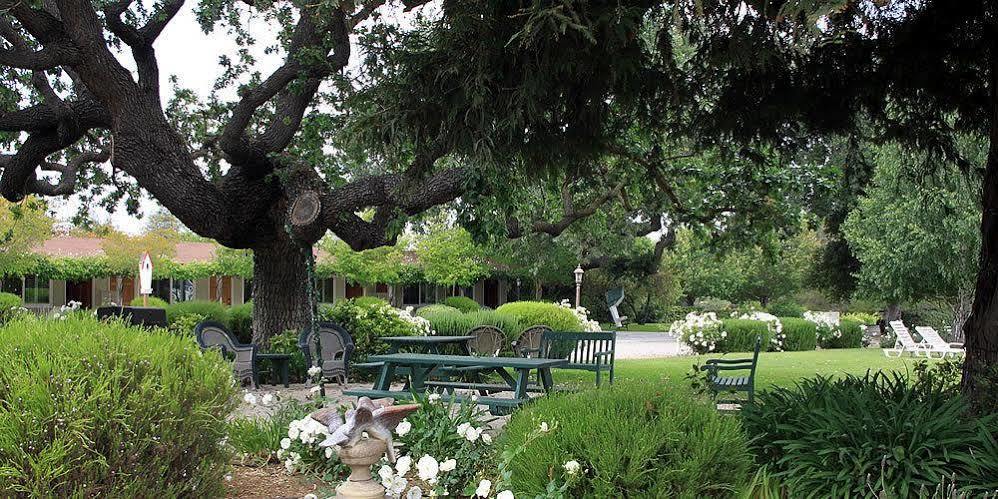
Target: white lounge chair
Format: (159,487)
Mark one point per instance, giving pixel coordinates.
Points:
(936,344)
(904,342)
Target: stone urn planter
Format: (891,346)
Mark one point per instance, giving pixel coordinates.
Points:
(360,457)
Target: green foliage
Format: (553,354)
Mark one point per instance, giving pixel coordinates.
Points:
(210,310)
(371,302)
(850,336)
(916,239)
(241,321)
(185,324)
(535,313)
(287,342)
(9,305)
(371,266)
(741,335)
(85,401)
(837,437)
(449,257)
(786,308)
(462,303)
(632,440)
(255,440)
(23,226)
(457,323)
(366,321)
(151,301)
(861,317)
(801,335)
(434,309)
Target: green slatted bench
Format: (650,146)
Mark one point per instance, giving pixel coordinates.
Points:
(719,382)
(587,351)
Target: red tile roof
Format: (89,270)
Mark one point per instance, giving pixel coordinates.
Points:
(73,246)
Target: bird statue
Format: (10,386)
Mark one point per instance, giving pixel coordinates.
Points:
(378,418)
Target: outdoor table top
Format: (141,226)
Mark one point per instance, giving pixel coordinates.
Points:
(413,359)
(427,339)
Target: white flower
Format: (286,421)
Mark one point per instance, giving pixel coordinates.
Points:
(329,452)
(267,399)
(403,464)
(427,468)
(289,465)
(386,473)
(572,467)
(544,427)
(314,389)
(483,488)
(281,452)
(462,429)
(285,443)
(314,371)
(309,496)
(249,398)
(448,465)
(472,434)
(403,428)
(396,485)
(293,431)
(414,493)
(506,494)
(434,397)
(486,438)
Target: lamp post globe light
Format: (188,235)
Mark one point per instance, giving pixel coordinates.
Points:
(578,284)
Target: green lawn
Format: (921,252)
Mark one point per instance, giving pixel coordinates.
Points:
(775,368)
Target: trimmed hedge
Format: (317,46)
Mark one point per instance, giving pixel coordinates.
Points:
(741,334)
(241,321)
(457,323)
(631,440)
(801,335)
(462,303)
(535,313)
(210,310)
(435,308)
(93,408)
(152,302)
(852,336)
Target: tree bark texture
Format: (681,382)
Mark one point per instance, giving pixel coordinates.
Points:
(283,289)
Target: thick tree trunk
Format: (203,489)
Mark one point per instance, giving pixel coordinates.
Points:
(892,313)
(981,329)
(283,289)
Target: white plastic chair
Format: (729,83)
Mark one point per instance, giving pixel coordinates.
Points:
(904,342)
(936,344)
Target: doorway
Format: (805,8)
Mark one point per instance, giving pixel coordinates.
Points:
(81,291)
(491,293)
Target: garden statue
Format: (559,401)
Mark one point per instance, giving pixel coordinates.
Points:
(377,419)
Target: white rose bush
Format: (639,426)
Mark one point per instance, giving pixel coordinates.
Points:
(701,332)
(582,314)
(773,324)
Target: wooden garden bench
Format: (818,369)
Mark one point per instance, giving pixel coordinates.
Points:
(583,350)
(732,384)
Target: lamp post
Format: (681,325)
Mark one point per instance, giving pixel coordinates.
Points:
(578,284)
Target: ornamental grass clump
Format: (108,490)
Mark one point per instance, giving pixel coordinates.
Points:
(632,440)
(535,313)
(458,323)
(856,437)
(102,409)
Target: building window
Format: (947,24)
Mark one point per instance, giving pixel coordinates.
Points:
(327,290)
(247,290)
(181,290)
(36,289)
(410,295)
(12,285)
(161,289)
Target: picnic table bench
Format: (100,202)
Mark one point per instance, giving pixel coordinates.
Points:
(421,367)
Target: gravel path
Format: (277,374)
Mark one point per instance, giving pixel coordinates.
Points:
(646,345)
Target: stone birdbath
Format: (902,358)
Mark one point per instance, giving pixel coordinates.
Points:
(361,436)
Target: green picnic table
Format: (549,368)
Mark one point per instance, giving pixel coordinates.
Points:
(421,366)
(428,344)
